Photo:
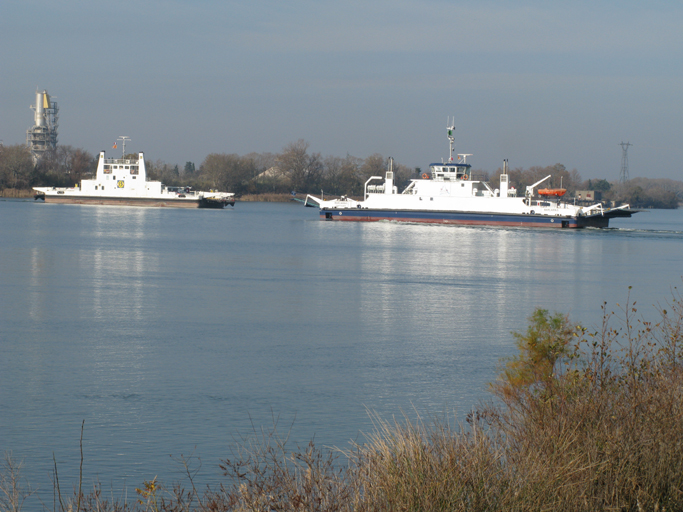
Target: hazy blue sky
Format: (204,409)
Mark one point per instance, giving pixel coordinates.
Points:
(538,82)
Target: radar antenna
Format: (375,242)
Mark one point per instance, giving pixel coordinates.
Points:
(123,138)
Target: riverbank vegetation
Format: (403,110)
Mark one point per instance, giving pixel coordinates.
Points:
(297,169)
(581,420)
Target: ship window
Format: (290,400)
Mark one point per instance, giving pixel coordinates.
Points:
(134,169)
(126,167)
(134,177)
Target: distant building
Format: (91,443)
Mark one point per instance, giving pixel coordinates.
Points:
(589,196)
(272,174)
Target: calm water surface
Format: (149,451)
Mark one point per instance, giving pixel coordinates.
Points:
(172,331)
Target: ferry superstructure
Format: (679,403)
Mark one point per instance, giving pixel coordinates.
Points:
(123,181)
(449,195)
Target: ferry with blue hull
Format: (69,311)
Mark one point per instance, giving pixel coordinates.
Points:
(449,195)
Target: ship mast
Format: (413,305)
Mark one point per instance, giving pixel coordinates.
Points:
(451,137)
(124,139)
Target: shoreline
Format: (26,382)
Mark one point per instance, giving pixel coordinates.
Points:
(265,198)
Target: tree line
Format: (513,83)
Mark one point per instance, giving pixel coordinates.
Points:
(638,192)
(300,170)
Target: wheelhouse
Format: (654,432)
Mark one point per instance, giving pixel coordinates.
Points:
(451,171)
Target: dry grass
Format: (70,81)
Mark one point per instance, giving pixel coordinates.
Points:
(583,421)
(15,192)
(266,198)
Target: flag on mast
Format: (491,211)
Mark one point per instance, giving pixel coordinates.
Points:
(114,146)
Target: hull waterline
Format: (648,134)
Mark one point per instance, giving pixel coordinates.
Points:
(465,218)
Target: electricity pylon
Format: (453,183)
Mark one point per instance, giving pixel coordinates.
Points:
(623,176)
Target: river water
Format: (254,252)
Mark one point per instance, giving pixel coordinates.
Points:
(173,331)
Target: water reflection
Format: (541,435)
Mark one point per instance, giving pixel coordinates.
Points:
(119,268)
(448,276)
(35,296)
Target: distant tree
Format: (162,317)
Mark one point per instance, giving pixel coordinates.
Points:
(635,196)
(51,169)
(331,170)
(341,176)
(303,171)
(162,171)
(83,164)
(601,185)
(16,167)
(262,161)
(65,166)
(402,176)
(374,165)
(659,198)
(189,169)
(647,193)
(230,173)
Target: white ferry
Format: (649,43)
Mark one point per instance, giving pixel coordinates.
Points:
(122,181)
(451,196)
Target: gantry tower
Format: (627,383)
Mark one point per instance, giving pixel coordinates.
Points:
(43,136)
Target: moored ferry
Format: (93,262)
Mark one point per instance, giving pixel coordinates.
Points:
(123,181)
(449,195)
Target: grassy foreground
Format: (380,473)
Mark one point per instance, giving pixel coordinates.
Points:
(581,421)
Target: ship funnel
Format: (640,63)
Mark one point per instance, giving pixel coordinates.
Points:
(389,179)
(504,184)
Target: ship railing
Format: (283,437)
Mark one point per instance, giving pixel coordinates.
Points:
(595,209)
(365,191)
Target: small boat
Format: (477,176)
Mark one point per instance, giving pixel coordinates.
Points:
(556,192)
(123,181)
(448,194)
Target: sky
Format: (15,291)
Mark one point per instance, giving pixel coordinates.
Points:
(536,82)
